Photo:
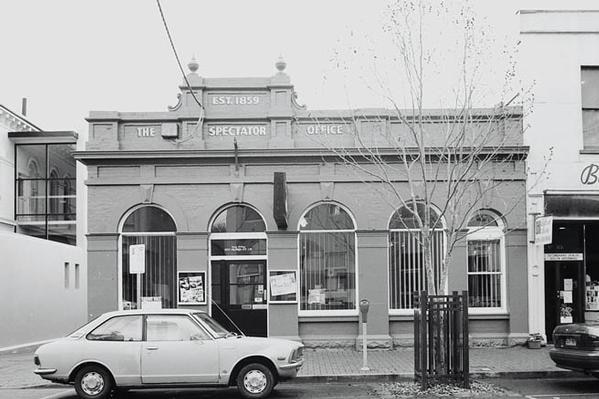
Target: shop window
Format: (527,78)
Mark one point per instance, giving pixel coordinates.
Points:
(486,263)
(120,328)
(407,274)
(327,246)
(589,84)
(153,228)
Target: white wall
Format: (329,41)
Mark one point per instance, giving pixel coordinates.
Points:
(554,47)
(7,179)
(35,304)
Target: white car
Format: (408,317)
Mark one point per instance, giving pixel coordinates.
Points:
(165,348)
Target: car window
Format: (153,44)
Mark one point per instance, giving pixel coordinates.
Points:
(173,328)
(120,328)
(212,324)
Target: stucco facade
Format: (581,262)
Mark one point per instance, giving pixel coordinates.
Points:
(40,278)
(557,48)
(254,127)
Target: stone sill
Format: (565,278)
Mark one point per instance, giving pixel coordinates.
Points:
(327,319)
(497,316)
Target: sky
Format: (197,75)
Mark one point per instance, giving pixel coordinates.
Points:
(69,57)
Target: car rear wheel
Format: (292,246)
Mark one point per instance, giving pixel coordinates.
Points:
(93,382)
(255,381)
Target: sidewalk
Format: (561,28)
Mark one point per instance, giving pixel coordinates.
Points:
(517,362)
(344,364)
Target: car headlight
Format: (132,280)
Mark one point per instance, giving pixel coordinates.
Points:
(296,355)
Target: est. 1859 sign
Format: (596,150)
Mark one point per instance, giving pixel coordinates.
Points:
(235,99)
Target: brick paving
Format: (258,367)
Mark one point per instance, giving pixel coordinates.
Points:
(16,368)
(400,361)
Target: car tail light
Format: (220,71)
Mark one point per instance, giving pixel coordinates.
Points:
(36,360)
(590,341)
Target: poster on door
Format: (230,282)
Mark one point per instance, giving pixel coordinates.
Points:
(565,314)
(192,288)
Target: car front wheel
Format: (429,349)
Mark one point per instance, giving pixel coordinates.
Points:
(255,381)
(93,382)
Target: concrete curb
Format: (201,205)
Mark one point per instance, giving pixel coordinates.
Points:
(410,376)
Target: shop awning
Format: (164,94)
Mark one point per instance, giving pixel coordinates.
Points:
(572,205)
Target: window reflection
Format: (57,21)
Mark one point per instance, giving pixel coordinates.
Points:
(45,191)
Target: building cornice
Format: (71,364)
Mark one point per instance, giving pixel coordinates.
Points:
(514,152)
(13,121)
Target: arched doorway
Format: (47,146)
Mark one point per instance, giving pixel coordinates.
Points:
(238,270)
(155,229)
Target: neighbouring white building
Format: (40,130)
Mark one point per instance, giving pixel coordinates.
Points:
(43,273)
(560,57)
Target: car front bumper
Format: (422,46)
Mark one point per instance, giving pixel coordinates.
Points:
(288,371)
(44,371)
(572,359)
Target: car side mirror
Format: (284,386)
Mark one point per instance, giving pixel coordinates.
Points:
(197,338)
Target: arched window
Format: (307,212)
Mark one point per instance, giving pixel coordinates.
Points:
(407,273)
(36,203)
(155,229)
(327,257)
(486,263)
(238,219)
(68,203)
(238,230)
(54,197)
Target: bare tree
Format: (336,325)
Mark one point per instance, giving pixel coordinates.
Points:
(441,165)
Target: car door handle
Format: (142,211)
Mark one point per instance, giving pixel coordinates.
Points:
(152,348)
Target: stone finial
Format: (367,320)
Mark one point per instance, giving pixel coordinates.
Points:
(193,65)
(281,64)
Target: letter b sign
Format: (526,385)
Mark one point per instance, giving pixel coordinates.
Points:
(589,174)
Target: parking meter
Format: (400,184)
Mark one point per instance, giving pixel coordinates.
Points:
(364,305)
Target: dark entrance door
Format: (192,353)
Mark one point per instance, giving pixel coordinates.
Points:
(239,295)
(564,294)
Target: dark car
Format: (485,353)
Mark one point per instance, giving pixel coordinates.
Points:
(577,347)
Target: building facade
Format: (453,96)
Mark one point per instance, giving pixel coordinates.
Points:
(560,57)
(251,215)
(42,269)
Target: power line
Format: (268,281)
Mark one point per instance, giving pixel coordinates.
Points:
(168,33)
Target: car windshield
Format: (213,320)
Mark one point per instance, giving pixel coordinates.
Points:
(80,331)
(213,325)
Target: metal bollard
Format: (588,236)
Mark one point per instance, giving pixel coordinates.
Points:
(364,305)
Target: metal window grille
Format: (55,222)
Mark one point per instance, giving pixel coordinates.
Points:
(484,273)
(327,270)
(407,272)
(159,279)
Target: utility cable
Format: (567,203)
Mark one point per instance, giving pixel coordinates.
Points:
(168,33)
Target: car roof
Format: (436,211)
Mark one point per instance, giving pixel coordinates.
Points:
(150,312)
